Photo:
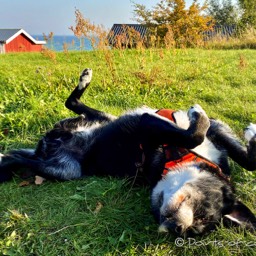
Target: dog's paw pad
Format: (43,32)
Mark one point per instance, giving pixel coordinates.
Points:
(196,109)
(250,132)
(85,78)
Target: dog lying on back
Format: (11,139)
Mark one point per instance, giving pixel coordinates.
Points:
(182,155)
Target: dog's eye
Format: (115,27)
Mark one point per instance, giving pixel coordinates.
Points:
(187,198)
(201,220)
(205,220)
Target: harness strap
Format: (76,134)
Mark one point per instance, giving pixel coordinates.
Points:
(168,113)
(174,156)
(186,155)
(190,157)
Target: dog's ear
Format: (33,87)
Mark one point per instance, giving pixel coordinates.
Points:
(241,215)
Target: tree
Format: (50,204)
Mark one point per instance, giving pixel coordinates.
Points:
(223,12)
(186,26)
(248,12)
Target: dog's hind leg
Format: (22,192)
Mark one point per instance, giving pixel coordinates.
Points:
(9,162)
(56,168)
(73,101)
(158,131)
(221,134)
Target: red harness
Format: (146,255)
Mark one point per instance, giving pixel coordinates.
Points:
(175,156)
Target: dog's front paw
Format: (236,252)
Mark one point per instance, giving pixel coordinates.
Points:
(197,115)
(250,132)
(196,111)
(85,78)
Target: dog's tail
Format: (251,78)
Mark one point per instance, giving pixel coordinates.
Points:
(15,160)
(51,168)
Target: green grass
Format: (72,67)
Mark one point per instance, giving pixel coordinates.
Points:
(106,216)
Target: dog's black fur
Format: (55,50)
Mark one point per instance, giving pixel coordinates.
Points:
(96,143)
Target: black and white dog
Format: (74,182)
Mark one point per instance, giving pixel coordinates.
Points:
(191,198)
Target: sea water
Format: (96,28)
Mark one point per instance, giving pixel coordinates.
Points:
(67,42)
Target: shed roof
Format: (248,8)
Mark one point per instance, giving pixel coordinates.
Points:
(7,35)
(118,29)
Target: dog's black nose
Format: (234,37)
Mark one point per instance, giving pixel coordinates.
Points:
(173,227)
(179,229)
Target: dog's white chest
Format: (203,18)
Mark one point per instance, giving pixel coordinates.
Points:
(208,151)
(207,148)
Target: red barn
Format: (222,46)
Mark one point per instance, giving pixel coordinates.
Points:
(18,40)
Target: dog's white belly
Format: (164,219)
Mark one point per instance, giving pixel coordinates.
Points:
(208,151)
(207,148)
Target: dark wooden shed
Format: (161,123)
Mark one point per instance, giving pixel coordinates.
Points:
(127,35)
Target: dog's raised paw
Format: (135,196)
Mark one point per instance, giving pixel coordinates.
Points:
(195,109)
(85,78)
(250,131)
(198,115)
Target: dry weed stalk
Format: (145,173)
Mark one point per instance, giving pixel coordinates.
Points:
(65,48)
(242,62)
(109,61)
(128,38)
(83,26)
(85,29)
(49,38)
(150,77)
(97,35)
(239,40)
(169,40)
(49,54)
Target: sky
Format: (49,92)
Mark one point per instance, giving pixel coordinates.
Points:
(45,16)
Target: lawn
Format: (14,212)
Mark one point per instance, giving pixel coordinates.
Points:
(107,216)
